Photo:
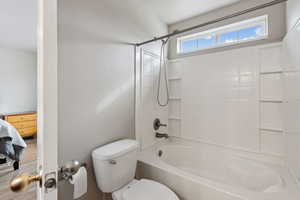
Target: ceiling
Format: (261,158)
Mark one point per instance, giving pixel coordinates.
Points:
(18,24)
(18,18)
(172,11)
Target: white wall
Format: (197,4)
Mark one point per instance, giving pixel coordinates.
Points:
(276,17)
(291,64)
(96,76)
(18,75)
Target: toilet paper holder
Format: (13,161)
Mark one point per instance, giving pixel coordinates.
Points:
(69,169)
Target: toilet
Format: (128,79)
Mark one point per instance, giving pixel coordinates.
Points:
(115,166)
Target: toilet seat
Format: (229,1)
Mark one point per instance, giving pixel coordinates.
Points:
(146,190)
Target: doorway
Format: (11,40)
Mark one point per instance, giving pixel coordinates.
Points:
(18,94)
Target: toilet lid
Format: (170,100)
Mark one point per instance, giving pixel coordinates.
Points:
(149,190)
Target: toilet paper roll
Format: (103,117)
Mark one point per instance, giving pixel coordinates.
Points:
(79,180)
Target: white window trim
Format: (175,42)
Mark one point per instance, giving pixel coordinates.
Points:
(262,20)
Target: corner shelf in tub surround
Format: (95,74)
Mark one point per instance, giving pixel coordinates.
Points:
(174,118)
(271,130)
(175,98)
(271,101)
(271,72)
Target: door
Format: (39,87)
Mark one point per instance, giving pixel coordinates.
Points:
(47,96)
(47,107)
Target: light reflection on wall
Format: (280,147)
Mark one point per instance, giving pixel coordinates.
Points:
(114,95)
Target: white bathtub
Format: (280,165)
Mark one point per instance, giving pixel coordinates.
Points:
(197,171)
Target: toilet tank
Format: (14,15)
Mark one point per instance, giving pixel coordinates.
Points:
(115,164)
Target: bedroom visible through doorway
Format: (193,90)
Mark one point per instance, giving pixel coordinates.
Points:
(18,95)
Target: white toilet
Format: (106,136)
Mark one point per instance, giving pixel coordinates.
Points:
(115,166)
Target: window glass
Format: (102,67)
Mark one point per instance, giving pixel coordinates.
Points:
(189,45)
(255,28)
(251,33)
(227,38)
(206,42)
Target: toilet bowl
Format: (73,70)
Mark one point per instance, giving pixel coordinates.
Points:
(115,165)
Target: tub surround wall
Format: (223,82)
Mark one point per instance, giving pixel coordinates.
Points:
(147,108)
(276,17)
(211,93)
(229,99)
(96,76)
(293,14)
(217,90)
(291,69)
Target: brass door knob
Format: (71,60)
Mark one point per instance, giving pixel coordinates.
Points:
(21,182)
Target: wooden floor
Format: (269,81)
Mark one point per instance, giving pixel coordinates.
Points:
(28,164)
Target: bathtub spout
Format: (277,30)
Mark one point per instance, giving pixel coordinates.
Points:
(161,135)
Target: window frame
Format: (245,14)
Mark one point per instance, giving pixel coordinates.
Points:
(217,32)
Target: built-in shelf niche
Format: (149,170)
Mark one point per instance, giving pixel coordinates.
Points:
(271,143)
(270,58)
(175,89)
(174,108)
(271,99)
(271,111)
(271,87)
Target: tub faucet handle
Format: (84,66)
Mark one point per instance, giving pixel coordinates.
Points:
(157,124)
(161,135)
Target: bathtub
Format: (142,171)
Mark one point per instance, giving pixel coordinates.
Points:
(199,171)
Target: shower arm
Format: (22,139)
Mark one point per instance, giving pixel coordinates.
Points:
(177,32)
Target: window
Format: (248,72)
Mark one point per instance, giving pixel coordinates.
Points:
(244,31)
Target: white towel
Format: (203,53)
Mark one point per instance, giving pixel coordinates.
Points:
(7,130)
